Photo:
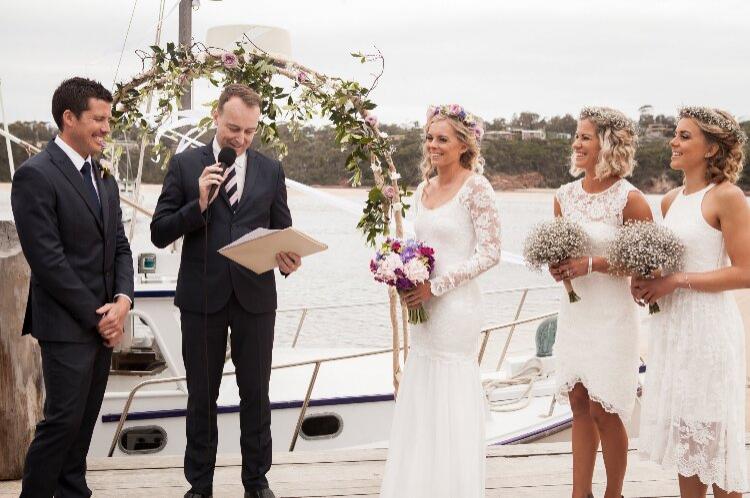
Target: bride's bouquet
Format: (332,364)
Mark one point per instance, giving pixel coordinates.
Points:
(551,242)
(642,247)
(403,265)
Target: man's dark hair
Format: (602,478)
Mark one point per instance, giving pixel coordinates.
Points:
(74,94)
(249,96)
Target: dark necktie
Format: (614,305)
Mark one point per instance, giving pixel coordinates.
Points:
(89,181)
(231,187)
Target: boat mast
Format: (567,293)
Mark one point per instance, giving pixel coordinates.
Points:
(7,134)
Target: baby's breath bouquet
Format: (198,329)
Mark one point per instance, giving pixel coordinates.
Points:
(642,247)
(551,242)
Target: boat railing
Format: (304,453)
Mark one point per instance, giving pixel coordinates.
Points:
(317,363)
(304,310)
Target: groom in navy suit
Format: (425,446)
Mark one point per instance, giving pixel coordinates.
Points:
(215,294)
(68,218)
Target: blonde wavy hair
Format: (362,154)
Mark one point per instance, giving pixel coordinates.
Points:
(720,128)
(471,159)
(618,139)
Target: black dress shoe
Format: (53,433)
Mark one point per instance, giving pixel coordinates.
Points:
(195,494)
(260,493)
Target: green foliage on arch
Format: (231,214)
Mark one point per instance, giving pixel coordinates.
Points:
(345,103)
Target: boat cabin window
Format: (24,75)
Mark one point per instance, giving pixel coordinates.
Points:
(142,439)
(321,426)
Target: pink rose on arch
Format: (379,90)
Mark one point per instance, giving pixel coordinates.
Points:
(230,60)
(371,120)
(302,77)
(389,191)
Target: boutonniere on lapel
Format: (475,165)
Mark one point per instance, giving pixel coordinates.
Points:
(106,168)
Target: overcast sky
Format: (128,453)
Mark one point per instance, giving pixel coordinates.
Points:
(495,57)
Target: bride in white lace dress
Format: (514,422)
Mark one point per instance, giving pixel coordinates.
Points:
(597,337)
(437,445)
(693,415)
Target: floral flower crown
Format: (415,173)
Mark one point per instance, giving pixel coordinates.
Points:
(609,117)
(710,116)
(460,114)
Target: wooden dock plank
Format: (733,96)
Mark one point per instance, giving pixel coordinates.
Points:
(521,471)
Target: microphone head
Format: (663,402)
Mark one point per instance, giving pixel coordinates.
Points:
(227,156)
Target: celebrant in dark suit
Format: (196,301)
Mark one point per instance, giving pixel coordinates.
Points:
(215,294)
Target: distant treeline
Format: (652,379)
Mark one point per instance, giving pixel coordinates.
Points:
(315,159)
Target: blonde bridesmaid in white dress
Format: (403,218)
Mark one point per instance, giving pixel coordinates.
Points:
(597,337)
(693,415)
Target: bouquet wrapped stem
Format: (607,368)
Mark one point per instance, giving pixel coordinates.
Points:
(572,296)
(417,315)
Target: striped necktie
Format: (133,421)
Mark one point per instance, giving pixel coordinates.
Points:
(231,187)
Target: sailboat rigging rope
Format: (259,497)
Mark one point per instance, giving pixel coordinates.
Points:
(124,42)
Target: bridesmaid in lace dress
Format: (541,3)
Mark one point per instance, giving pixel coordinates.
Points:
(597,337)
(693,415)
(437,445)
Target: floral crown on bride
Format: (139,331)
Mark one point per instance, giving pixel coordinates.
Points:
(610,118)
(457,112)
(710,116)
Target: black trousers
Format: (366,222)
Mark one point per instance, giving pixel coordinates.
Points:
(204,340)
(75,377)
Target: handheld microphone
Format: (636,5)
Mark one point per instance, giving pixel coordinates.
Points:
(227,156)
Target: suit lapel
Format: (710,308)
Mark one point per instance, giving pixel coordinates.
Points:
(103,195)
(251,173)
(208,160)
(68,169)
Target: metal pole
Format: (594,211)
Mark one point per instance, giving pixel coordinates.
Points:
(304,406)
(299,327)
(144,141)
(7,137)
(513,328)
(185,40)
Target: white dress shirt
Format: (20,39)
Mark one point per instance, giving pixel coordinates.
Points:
(240,167)
(78,161)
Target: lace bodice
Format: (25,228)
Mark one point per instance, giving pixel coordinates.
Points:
(465,233)
(599,214)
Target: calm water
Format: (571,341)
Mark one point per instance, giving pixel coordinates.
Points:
(341,274)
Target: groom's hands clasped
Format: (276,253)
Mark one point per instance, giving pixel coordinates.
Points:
(418,295)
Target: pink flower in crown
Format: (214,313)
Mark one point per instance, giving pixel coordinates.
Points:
(431,111)
(455,109)
(389,191)
(478,132)
(371,120)
(230,60)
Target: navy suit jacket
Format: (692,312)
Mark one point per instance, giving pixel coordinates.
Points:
(263,205)
(79,256)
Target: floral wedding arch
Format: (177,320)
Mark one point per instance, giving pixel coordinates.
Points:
(308,94)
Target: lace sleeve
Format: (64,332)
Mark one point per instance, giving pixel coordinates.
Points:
(479,198)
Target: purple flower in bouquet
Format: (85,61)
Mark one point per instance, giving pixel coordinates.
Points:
(404,265)
(371,120)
